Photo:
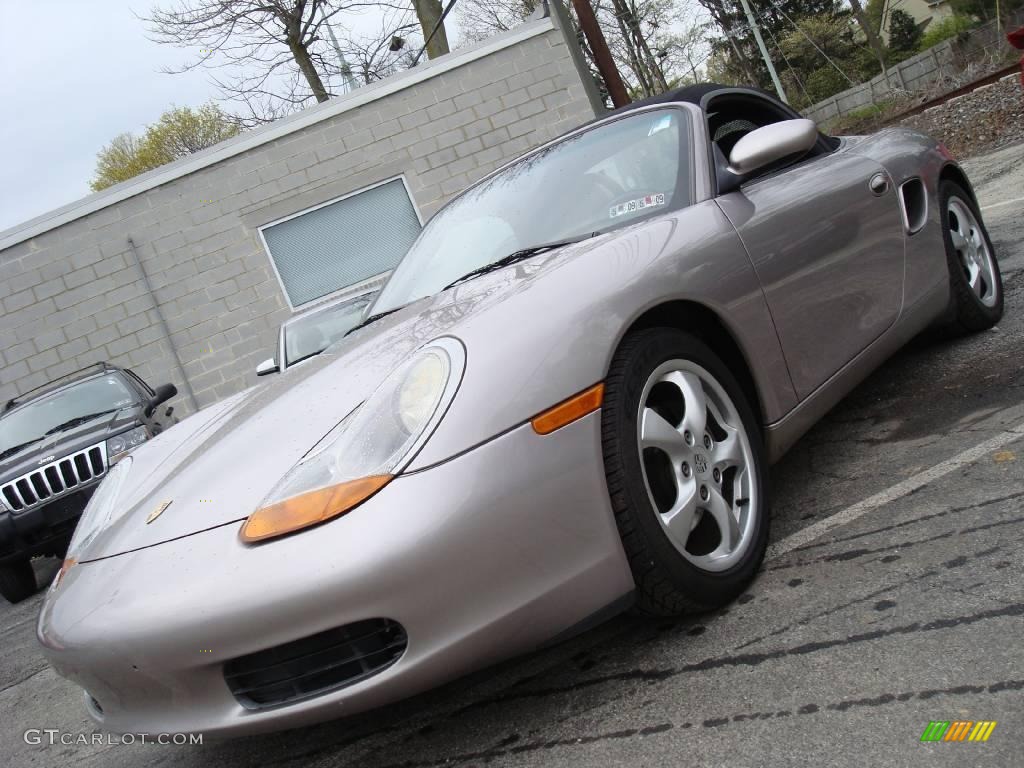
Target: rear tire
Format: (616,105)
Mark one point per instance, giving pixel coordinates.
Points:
(975,282)
(17,581)
(686,473)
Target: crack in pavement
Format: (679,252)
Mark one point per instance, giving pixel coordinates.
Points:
(511,747)
(660,674)
(854,554)
(906,523)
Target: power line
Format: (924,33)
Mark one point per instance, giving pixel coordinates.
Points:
(785,58)
(764,51)
(778,6)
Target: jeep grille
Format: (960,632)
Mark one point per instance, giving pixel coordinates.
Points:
(55,479)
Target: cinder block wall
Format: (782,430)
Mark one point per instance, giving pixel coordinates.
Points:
(73,293)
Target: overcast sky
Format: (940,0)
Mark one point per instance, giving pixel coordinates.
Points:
(74,74)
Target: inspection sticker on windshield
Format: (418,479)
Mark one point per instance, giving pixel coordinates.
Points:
(632,206)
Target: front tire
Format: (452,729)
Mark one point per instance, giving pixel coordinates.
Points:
(17,581)
(975,282)
(686,472)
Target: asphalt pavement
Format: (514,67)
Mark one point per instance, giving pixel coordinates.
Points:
(893,596)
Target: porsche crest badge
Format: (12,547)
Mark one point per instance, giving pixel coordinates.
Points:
(158,511)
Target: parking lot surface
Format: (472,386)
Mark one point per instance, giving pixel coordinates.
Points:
(893,595)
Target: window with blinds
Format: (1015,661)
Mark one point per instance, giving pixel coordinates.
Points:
(333,246)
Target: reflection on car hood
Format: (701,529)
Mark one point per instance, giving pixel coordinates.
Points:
(216,466)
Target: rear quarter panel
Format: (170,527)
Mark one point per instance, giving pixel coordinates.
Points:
(908,154)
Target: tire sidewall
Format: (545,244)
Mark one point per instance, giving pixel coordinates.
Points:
(975,315)
(706,587)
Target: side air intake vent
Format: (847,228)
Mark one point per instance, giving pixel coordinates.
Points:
(915,205)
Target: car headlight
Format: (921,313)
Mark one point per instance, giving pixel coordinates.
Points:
(119,445)
(367,449)
(96,513)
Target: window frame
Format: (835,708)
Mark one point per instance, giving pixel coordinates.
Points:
(348,289)
(314,310)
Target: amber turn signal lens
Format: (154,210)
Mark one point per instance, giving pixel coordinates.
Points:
(566,412)
(310,508)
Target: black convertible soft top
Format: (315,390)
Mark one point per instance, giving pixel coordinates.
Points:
(694,94)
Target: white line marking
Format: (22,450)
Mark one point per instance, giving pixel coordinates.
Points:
(851,513)
(1000,205)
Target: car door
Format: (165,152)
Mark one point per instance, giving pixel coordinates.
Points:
(826,240)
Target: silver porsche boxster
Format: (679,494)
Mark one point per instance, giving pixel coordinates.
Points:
(563,404)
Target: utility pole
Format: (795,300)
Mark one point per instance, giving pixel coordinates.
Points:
(602,56)
(346,72)
(764,51)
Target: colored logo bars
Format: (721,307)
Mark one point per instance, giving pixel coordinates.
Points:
(958,730)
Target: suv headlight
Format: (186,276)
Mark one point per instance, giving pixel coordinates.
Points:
(119,445)
(368,448)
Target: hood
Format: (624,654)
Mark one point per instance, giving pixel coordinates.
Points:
(60,444)
(217,466)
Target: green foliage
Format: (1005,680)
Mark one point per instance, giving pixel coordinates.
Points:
(834,36)
(874,9)
(866,119)
(775,22)
(824,82)
(179,132)
(903,32)
(985,10)
(949,27)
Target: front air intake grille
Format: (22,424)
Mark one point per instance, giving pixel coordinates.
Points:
(316,664)
(55,479)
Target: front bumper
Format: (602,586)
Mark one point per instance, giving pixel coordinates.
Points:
(481,557)
(42,530)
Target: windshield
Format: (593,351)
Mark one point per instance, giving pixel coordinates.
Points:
(32,421)
(313,333)
(603,178)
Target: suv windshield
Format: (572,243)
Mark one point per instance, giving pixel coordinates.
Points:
(311,334)
(28,423)
(598,180)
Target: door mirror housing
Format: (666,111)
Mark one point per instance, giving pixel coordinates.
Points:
(267,366)
(161,394)
(771,143)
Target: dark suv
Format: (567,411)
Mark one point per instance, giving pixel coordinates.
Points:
(56,444)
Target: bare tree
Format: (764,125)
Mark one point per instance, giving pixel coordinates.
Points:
(869,33)
(479,19)
(271,51)
(654,43)
(429,13)
(375,56)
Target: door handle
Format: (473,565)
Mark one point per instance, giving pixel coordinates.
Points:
(879,184)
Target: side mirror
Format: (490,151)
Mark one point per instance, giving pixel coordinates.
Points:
(267,366)
(766,145)
(161,394)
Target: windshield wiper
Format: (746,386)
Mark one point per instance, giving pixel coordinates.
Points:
(512,258)
(78,420)
(374,318)
(305,357)
(15,448)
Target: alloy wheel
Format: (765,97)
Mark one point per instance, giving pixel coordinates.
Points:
(972,250)
(697,464)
